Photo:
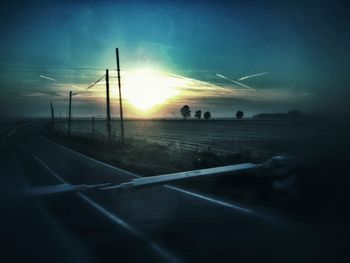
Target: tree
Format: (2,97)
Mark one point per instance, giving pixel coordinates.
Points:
(207,115)
(239,114)
(185,112)
(198,114)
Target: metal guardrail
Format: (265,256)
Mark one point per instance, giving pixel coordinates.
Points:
(277,166)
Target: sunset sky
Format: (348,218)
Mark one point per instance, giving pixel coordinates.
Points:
(218,56)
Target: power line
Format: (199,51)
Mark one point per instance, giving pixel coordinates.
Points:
(94,83)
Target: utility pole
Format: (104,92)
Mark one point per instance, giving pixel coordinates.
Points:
(120,97)
(52,116)
(108,106)
(69,111)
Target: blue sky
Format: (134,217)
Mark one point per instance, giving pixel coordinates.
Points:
(302,46)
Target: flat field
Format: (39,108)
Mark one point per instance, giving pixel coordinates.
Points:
(259,138)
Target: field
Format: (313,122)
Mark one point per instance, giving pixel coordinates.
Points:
(168,146)
(261,139)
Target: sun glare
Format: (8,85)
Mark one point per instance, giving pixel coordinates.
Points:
(145,89)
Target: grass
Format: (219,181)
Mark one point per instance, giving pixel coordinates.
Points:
(146,158)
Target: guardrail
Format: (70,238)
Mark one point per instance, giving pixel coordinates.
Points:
(277,166)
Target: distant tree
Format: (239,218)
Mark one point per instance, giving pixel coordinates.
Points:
(207,115)
(185,112)
(239,114)
(198,114)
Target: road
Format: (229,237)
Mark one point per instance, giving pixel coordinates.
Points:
(158,224)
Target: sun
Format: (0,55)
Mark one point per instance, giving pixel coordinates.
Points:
(144,89)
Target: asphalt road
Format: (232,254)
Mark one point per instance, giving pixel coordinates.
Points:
(163,223)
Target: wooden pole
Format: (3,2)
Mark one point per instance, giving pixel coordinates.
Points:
(108,106)
(69,112)
(120,97)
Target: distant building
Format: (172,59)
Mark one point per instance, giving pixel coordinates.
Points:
(291,115)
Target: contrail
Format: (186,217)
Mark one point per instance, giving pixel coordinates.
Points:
(195,80)
(254,75)
(44,77)
(243,85)
(182,77)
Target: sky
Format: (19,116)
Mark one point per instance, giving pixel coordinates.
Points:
(221,56)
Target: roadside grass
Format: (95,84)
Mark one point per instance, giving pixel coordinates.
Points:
(143,157)
(149,158)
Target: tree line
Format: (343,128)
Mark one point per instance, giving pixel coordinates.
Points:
(186,113)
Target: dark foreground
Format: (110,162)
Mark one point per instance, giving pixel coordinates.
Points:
(165,223)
